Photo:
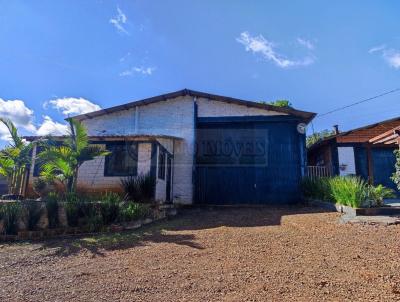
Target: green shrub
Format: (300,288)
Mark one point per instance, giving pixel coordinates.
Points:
(349,191)
(139,188)
(396,174)
(317,188)
(52,209)
(34,212)
(110,207)
(82,211)
(132,211)
(94,222)
(10,212)
(72,211)
(379,193)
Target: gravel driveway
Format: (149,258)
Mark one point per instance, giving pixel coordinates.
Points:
(234,254)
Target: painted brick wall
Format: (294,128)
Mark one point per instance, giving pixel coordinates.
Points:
(173,117)
(91,173)
(211,108)
(117,123)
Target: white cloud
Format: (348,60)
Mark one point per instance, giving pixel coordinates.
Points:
(392,57)
(147,71)
(18,113)
(50,127)
(260,45)
(23,117)
(377,48)
(119,21)
(73,106)
(306,43)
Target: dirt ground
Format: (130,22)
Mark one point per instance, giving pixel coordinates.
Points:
(235,254)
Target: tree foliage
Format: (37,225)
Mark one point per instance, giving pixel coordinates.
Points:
(281,103)
(61,162)
(14,158)
(396,174)
(318,136)
(278,103)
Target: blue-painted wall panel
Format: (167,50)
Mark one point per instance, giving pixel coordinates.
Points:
(271,174)
(361,160)
(383,164)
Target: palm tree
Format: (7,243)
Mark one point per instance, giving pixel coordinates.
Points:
(61,162)
(14,159)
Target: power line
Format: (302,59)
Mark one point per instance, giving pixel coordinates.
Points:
(359,102)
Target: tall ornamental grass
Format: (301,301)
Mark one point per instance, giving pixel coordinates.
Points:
(349,191)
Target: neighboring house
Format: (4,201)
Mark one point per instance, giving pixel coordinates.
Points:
(201,148)
(352,153)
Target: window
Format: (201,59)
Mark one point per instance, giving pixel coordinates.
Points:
(123,159)
(161,164)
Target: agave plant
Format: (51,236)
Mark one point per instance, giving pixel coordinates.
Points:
(14,159)
(61,162)
(139,188)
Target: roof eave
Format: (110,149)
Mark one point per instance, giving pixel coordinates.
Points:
(304,115)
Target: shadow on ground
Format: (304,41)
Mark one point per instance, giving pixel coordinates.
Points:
(188,220)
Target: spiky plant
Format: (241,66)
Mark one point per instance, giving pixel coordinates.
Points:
(350,191)
(61,163)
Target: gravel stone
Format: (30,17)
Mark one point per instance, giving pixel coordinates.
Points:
(230,254)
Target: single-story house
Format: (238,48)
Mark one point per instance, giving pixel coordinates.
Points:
(353,153)
(202,148)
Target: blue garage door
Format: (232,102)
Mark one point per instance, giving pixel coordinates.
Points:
(248,163)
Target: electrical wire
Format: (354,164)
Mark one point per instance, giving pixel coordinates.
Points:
(359,102)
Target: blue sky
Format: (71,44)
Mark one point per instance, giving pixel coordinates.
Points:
(60,58)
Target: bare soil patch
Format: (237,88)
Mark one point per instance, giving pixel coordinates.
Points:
(232,254)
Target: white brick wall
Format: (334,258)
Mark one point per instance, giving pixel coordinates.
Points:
(173,117)
(117,123)
(91,173)
(211,108)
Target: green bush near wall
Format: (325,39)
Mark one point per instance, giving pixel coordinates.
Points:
(9,213)
(349,191)
(81,211)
